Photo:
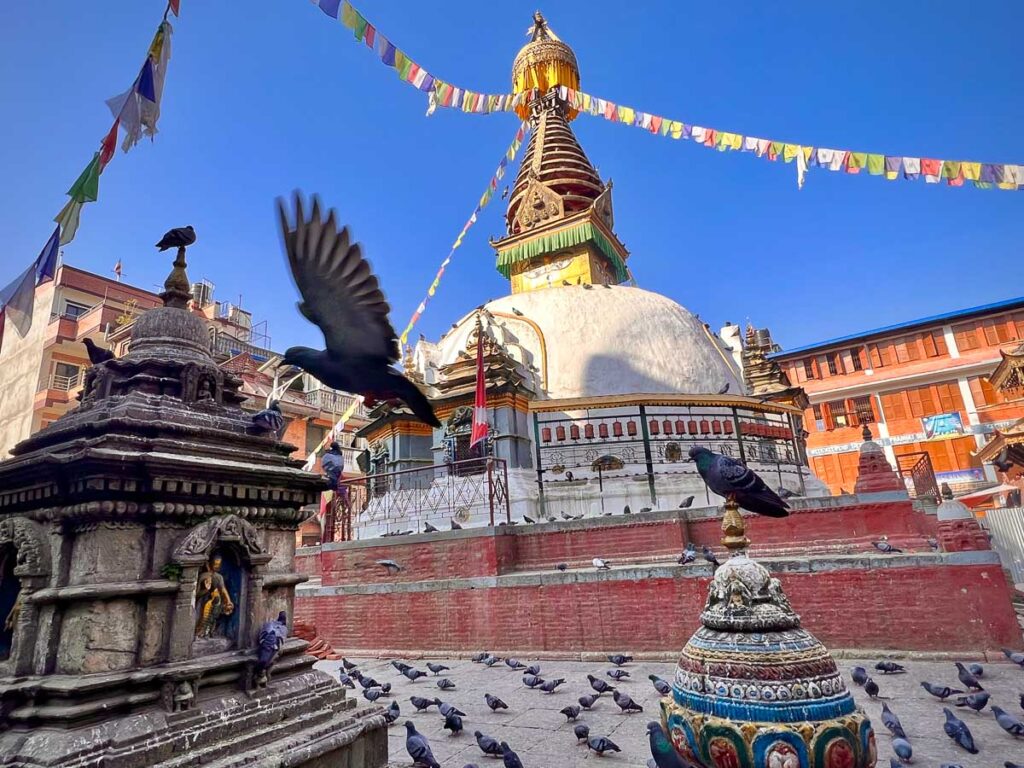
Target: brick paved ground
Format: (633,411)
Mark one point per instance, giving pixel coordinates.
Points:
(534,728)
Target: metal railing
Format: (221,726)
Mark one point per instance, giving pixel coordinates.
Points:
(62,383)
(408,499)
(332,400)
(224,344)
(916,471)
(1006,527)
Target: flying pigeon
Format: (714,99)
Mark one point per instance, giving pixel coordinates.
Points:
(435,668)
(581,731)
(660,685)
(710,556)
(1008,722)
(939,691)
(494,702)
(392,713)
(969,680)
(414,674)
(269,641)
(958,731)
(179,237)
(662,753)
(418,747)
(733,480)
(589,700)
(601,565)
(885,546)
(617,674)
(975,701)
(510,758)
(620,659)
(390,566)
(902,749)
(444,684)
(602,744)
(890,668)
(571,712)
(599,685)
(890,721)
(422,704)
(97,355)
(686,503)
(1017,657)
(487,745)
(532,681)
(447,709)
(342,297)
(551,685)
(533,669)
(626,704)
(453,723)
(270,420)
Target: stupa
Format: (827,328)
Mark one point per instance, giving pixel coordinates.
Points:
(145,537)
(753,688)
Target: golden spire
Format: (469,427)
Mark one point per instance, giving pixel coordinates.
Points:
(544,63)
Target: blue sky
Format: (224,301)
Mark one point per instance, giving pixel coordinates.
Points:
(270,95)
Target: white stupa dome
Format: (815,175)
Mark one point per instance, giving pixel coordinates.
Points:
(589,342)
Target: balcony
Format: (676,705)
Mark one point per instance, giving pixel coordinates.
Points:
(225,346)
(333,401)
(62,383)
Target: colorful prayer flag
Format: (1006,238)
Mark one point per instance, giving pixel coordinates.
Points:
(87,186)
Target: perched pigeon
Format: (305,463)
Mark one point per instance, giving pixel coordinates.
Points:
(785,493)
(510,758)
(1008,722)
(490,661)
(436,668)
(345,680)
(487,745)
(96,354)
(969,680)
(533,669)
(733,480)
(367,682)
(401,666)
(662,753)
(626,510)
(626,704)
(581,731)
(448,709)
(269,641)
(454,525)
(477,658)
(348,664)
(723,389)
(418,747)
(940,691)
(494,702)
(532,681)
(688,556)
(620,659)
(414,674)
(686,503)
(902,749)
(958,731)
(599,685)
(333,464)
(453,723)
(571,712)
(445,684)
(392,713)
(644,509)
(660,685)
(385,688)
(422,704)
(563,567)
(976,669)
(602,744)
(601,565)
(428,528)
(617,674)
(341,296)
(514,664)
(372,694)
(179,237)
(975,701)
(890,721)
(884,546)
(528,519)
(709,556)
(1017,657)
(871,688)
(390,566)
(589,700)
(859,675)
(270,420)
(890,668)
(551,685)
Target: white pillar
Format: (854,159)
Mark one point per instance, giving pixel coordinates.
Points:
(883,431)
(947,332)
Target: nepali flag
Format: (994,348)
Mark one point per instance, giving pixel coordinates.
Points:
(480,404)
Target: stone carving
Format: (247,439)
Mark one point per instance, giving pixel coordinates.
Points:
(200,540)
(28,538)
(461,420)
(212,599)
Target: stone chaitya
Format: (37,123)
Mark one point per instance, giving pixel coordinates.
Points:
(144,539)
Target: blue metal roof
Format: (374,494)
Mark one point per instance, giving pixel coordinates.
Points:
(942,318)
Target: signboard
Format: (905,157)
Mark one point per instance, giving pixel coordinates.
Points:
(943,426)
(961,476)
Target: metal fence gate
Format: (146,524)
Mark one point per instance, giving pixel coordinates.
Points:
(1007,528)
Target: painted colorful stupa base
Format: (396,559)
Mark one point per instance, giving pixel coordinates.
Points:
(753,689)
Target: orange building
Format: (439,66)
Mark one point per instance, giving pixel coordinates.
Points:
(922,388)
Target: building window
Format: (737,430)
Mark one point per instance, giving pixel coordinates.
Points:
(857,356)
(314,435)
(935,344)
(834,366)
(66,370)
(819,421)
(998,331)
(838,414)
(906,350)
(73,310)
(863,410)
(882,354)
(966,336)
(809,368)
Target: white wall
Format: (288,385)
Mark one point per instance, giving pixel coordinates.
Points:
(20,368)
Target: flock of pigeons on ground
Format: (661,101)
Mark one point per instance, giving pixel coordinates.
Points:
(418,746)
(972,696)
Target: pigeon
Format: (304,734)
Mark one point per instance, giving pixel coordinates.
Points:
(494,702)
(569,475)
(589,700)
(733,480)
(436,668)
(601,565)
(372,694)
(551,685)
(455,525)
(269,641)
(563,567)
(390,566)
(620,659)
(890,721)
(724,389)
(385,688)
(939,691)
(1008,722)
(97,355)
(516,312)
(342,297)
(871,688)
(859,675)
(890,668)
(975,701)
(401,666)
(969,681)
(510,758)
(626,704)
(532,681)
(626,510)
(688,556)
(1017,657)
(477,658)
(660,685)
(599,685)
(528,519)
(581,731)
(418,747)
(533,669)
(270,420)
(487,745)
(884,546)
(686,503)
(958,731)
(571,712)
(644,509)
(976,669)
(179,237)
(617,674)
(1022,701)
(345,680)
(490,661)
(902,749)
(367,682)
(348,664)
(453,723)
(662,753)
(710,556)
(422,704)
(515,664)
(445,684)
(1008,764)
(428,528)
(392,713)
(414,674)
(933,543)
(447,709)
(602,744)
(785,493)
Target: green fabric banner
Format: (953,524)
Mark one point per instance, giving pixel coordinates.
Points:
(563,238)
(87,187)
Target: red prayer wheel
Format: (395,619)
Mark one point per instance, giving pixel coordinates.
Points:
(588,431)
(617,428)
(574,432)
(560,433)
(545,435)
(654,427)
(666,427)
(602,430)
(728,426)
(705,427)
(631,428)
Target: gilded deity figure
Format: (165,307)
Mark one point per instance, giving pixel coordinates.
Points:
(212,598)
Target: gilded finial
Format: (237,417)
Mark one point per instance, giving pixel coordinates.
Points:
(866,433)
(177,289)
(734,530)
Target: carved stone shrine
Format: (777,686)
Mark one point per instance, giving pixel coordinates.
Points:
(144,539)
